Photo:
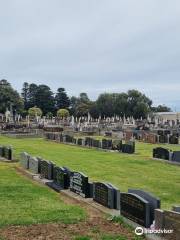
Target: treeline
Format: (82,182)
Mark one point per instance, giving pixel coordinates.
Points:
(132,103)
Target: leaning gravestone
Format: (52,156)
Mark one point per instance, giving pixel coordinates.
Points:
(34,165)
(79,184)
(46,169)
(61,179)
(103,194)
(152,200)
(24,160)
(135,208)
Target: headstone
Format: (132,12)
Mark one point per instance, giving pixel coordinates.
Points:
(24,160)
(126,148)
(46,169)
(61,179)
(103,194)
(79,141)
(79,184)
(106,144)
(161,153)
(34,165)
(96,143)
(8,153)
(153,201)
(176,156)
(88,141)
(173,139)
(2,151)
(135,208)
(116,196)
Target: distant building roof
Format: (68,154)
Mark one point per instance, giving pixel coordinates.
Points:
(167,113)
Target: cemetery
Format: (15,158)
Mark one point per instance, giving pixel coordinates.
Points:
(94,177)
(130,199)
(89,120)
(136,205)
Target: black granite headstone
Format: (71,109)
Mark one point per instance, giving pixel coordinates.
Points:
(79,141)
(96,143)
(173,139)
(161,153)
(126,148)
(106,144)
(2,151)
(103,194)
(79,184)
(46,169)
(135,208)
(153,201)
(176,156)
(8,153)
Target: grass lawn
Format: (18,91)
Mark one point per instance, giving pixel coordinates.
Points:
(25,202)
(123,170)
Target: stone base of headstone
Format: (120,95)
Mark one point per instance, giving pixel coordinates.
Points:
(176,209)
(166,161)
(54,186)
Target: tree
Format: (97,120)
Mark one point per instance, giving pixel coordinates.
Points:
(62,113)
(73,105)
(138,104)
(24,94)
(161,108)
(80,106)
(82,109)
(106,104)
(9,96)
(31,96)
(35,112)
(61,99)
(44,99)
(83,98)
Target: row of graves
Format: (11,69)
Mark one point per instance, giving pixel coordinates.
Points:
(138,206)
(159,136)
(106,144)
(6,152)
(166,154)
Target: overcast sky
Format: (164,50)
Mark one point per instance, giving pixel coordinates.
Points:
(93,46)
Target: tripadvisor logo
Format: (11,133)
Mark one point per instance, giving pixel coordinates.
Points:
(140,231)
